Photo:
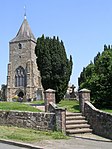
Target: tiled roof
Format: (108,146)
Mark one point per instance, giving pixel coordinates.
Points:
(24,33)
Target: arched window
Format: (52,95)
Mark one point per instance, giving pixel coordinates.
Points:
(20,77)
(20,46)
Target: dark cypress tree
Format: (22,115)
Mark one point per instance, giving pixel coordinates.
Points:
(53,64)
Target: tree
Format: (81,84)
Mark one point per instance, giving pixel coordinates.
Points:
(3,91)
(97,77)
(54,66)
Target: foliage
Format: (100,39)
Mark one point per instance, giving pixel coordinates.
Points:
(70,105)
(3,92)
(97,77)
(17,106)
(53,65)
(28,135)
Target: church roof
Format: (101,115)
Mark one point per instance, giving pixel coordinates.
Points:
(24,33)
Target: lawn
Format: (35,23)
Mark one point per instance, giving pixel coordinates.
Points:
(28,135)
(107,110)
(40,102)
(17,106)
(73,106)
(70,105)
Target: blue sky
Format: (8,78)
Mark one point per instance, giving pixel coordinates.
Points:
(83,25)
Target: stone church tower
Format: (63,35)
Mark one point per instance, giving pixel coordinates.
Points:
(23,77)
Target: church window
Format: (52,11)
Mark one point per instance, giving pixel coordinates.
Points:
(39,81)
(20,77)
(20,46)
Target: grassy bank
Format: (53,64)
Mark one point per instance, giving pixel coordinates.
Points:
(70,105)
(107,110)
(28,135)
(17,106)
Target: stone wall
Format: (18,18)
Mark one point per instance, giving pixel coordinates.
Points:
(101,122)
(39,121)
(60,117)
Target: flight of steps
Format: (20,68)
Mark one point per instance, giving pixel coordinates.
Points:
(76,124)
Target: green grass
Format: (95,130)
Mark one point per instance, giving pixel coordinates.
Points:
(28,135)
(70,105)
(17,106)
(107,110)
(41,102)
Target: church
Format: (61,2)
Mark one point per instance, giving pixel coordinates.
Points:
(23,76)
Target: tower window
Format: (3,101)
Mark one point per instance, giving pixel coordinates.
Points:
(20,77)
(20,46)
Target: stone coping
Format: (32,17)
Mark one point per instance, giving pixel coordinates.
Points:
(93,108)
(85,90)
(56,107)
(25,111)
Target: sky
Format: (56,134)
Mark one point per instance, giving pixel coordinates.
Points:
(83,25)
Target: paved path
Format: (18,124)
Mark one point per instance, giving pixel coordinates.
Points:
(83,141)
(7,146)
(41,108)
(86,141)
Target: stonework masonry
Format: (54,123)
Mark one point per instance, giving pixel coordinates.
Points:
(84,95)
(55,120)
(101,122)
(60,117)
(49,96)
(34,120)
(23,78)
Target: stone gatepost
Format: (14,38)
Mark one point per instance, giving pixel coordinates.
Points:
(84,95)
(49,96)
(61,119)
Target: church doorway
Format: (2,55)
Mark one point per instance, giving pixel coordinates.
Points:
(21,94)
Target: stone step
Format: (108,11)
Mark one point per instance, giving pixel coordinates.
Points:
(75,126)
(77,131)
(75,118)
(73,114)
(75,122)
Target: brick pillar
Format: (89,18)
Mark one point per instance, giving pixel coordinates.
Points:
(49,96)
(84,95)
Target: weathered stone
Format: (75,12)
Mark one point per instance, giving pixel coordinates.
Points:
(23,77)
(60,117)
(101,122)
(84,95)
(43,121)
(49,96)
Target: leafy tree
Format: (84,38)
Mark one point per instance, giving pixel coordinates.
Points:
(53,64)
(97,77)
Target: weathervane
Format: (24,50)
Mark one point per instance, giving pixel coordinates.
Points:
(24,12)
